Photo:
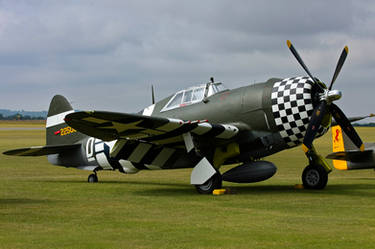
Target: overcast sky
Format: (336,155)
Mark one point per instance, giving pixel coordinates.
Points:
(105,55)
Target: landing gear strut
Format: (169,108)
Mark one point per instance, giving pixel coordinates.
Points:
(93,177)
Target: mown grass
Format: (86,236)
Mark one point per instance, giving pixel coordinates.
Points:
(22,123)
(44,206)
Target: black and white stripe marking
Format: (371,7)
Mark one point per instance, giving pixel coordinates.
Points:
(130,156)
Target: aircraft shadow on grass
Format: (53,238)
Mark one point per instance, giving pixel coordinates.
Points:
(170,189)
(131,182)
(348,190)
(18,201)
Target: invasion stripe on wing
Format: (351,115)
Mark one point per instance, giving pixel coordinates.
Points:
(128,167)
(173,133)
(139,152)
(163,156)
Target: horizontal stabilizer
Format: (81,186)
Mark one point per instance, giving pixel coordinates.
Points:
(352,160)
(41,150)
(354,119)
(352,156)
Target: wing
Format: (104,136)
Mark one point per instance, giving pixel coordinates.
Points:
(41,150)
(158,130)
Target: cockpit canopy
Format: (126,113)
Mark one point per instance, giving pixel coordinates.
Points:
(193,95)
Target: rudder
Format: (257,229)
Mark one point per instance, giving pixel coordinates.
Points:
(338,145)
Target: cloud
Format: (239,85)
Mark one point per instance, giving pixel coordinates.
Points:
(106,55)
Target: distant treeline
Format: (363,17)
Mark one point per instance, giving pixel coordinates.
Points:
(21,117)
(6,114)
(365,125)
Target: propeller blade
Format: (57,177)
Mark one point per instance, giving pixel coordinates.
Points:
(340,63)
(346,126)
(312,129)
(299,59)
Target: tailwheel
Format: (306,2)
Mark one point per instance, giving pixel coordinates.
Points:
(314,177)
(215,182)
(92,178)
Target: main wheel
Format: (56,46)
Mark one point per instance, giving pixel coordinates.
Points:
(92,178)
(314,177)
(215,182)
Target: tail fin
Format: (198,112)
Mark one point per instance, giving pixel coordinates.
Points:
(339,140)
(346,155)
(57,131)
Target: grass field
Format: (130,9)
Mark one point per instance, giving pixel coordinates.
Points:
(22,123)
(44,206)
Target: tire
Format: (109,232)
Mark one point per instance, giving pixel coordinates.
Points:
(92,178)
(215,182)
(314,177)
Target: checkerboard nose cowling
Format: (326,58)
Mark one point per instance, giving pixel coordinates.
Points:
(292,107)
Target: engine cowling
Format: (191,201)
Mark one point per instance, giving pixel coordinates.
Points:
(292,108)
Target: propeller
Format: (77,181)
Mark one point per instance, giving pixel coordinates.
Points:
(326,105)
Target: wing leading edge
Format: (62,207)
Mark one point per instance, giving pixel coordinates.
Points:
(111,126)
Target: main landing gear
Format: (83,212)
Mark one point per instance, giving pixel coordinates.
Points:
(93,177)
(315,175)
(205,177)
(215,182)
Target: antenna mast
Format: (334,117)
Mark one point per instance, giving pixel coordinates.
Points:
(152,94)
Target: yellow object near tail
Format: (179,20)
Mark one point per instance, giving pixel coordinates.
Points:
(337,146)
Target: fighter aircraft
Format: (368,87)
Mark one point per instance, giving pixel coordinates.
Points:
(346,155)
(203,127)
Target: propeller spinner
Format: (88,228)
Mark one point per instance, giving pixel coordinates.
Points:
(326,98)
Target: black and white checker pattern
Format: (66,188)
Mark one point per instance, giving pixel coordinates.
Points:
(292,108)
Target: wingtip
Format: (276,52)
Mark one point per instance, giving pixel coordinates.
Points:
(346,49)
